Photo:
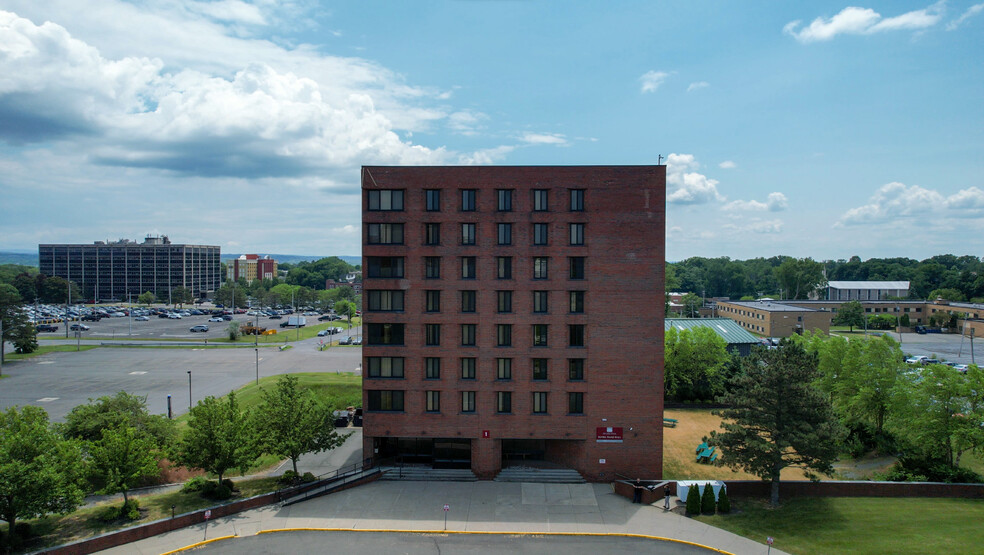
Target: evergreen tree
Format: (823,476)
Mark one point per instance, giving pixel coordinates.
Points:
(693,500)
(707,500)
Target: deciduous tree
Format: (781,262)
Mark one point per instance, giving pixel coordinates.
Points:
(122,457)
(87,422)
(850,314)
(147,298)
(694,360)
(218,437)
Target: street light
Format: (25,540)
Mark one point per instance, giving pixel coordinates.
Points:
(189,389)
(257,349)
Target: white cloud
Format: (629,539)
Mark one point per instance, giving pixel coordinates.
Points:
(686,185)
(466,122)
(485,156)
(346,229)
(775,202)
(544,139)
(971,11)
(727,165)
(894,201)
(651,80)
(756,226)
(232,11)
(863,21)
(697,85)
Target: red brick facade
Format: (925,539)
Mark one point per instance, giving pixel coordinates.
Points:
(617,304)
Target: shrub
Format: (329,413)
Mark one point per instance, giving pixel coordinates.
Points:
(195,484)
(307,478)
(228,483)
(693,500)
(128,511)
(216,491)
(707,500)
(910,468)
(233,331)
(22,530)
(289,477)
(724,503)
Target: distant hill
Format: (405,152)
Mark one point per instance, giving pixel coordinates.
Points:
(292,258)
(25,259)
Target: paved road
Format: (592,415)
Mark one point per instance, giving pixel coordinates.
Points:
(944,346)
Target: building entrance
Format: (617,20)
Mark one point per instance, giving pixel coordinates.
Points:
(433,452)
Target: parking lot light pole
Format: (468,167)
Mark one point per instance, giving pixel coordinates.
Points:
(189,389)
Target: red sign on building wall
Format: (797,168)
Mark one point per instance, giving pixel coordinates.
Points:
(609,435)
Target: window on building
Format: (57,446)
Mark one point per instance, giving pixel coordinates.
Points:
(432,334)
(575,335)
(432,301)
(577,234)
(577,200)
(468,335)
(503,402)
(468,267)
(577,302)
(503,301)
(432,368)
(504,200)
(432,267)
(575,403)
(540,200)
(384,266)
(384,400)
(504,234)
(541,234)
(540,264)
(432,234)
(503,335)
(540,302)
(539,402)
(468,301)
(575,369)
(433,401)
(385,234)
(384,334)
(468,368)
(432,200)
(468,200)
(503,267)
(503,368)
(467,401)
(467,234)
(386,199)
(384,300)
(539,368)
(539,335)
(385,367)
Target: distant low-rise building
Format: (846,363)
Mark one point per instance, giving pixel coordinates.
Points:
(866,290)
(774,319)
(252,266)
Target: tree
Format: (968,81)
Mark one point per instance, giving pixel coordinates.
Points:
(87,422)
(929,409)
(799,278)
(694,360)
(17,328)
(345,309)
(291,421)
(56,290)
(947,294)
(147,298)
(122,457)
(182,295)
(777,418)
(227,292)
(691,305)
(218,438)
(40,473)
(850,314)
(869,371)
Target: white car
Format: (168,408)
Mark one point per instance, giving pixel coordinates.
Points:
(141,318)
(916,360)
(216,319)
(174,316)
(961,368)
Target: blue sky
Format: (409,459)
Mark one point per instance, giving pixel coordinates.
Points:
(815,129)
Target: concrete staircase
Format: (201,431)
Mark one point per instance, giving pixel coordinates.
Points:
(540,475)
(424,474)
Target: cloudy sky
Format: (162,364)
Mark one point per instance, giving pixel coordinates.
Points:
(805,129)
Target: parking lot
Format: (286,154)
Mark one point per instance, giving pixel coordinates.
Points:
(942,346)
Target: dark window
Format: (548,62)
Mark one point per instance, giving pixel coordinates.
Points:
(432,368)
(433,399)
(577,200)
(385,400)
(432,199)
(503,335)
(384,334)
(468,368)
(385,266)
(384,301)
(503,267)
(503,401)
(432,267)
(576,335)
(467,234)
(539,368)
(504,200)
(433,301)
(468,335)
(385,234)
(539,335)
(575,403)
(467,401)
(539,402)
(468,200)
(540,267)
(432,234)
(576,267)
(540,301)
(468,301)
(385,367)
(503,368)
(432,334)
(577,301)
(386,199)
(540,200)
(504,301)
(504,232)
(575,369)
(577,234)
(467,267)
(541,234)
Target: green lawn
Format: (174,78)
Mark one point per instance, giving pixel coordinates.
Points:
(291,334)
(859,525)
(45,349)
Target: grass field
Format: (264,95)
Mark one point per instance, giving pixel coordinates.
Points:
(294,334)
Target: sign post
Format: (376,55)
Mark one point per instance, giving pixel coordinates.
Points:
(208,515)
(446,509)
(768,540)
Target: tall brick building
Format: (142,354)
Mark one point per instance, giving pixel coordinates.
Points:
(515,313)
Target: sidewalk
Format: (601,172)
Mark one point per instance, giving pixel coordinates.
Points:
(474,506)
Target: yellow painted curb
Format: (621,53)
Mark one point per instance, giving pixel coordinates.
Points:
(199,544)
(597,534)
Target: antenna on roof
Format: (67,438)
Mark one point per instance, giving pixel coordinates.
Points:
(659,159)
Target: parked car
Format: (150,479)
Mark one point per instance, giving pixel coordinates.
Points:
(199,328)
(357,340)
(227,317)
(961,368)
(916,360)
(142,319)
(174,316)
(46,327)
(276,317)
(92,317)
(79,327)
(216,319)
